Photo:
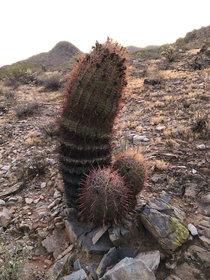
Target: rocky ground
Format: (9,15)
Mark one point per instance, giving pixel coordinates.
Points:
(165,116)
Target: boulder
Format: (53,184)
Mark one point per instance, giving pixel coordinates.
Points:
(77,275)
(151,259)
(165,223)
(129,268)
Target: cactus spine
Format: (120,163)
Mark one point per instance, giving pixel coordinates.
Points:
(104,197)
(93,95)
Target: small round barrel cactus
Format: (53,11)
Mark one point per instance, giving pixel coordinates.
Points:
(93,97)
(133,167)
(104,197)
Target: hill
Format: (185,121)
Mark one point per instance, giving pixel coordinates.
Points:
(61,53)
(194,39)
(133,49)
(197,38)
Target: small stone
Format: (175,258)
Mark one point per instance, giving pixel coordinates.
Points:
(36,200)
(2,202)
(165,197)
(99,232)
(160,127)
(205,241)
(202,147)
(43,185)
(102,245)
(55,202)
(59,225)
(77,275)
(55,213)
(139,138)
(44,214)
(115,236)
(57,194)
(24,227)
(77,265)
(5,218)
(48,262)
(5,168)
(192,229)
(28,200)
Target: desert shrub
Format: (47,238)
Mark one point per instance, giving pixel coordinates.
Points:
(6,96)
(26,110)
(18,74)
(201,122)
(12,257)
(169,53)
(180,43)
(50,82)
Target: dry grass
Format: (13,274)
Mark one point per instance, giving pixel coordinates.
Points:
(157,120)
(160,165)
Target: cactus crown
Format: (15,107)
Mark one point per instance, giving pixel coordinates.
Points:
(104,197)
(133,167)
(94,90)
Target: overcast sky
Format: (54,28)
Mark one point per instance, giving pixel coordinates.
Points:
(30,27)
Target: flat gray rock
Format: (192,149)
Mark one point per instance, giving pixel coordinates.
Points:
(165,223)
(111,258)
(15,188)
(151,259)
(102,246)
(129,268)
(77,275)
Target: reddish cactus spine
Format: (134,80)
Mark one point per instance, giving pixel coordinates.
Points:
(104,197)
(93,95)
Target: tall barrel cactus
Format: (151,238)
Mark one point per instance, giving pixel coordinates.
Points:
(93,95)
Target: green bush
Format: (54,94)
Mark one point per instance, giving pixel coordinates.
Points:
(180,43)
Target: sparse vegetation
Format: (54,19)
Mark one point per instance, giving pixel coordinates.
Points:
(50,82)
(13,256)
(26,110)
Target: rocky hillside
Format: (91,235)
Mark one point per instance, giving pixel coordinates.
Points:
(198,37)
(60,54)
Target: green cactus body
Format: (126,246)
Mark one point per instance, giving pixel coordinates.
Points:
(104,197)
(132,166)
(93,95)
